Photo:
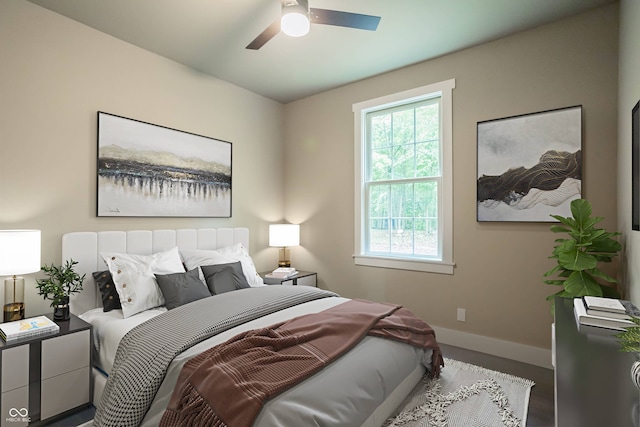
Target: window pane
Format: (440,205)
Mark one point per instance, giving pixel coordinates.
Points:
(402,236)
(403,127)
(379,239)
(428,159)
(402,218)
(428,122)
(403,161)
(379,201)
(379,218)
(380,164)
(380,130)
(426,213)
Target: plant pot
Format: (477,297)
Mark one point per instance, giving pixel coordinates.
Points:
(61,310)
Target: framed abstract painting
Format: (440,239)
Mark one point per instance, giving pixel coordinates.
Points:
(529,166)
(147,170)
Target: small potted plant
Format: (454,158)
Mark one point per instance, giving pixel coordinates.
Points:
(61,283)
(630,342)
(579,255)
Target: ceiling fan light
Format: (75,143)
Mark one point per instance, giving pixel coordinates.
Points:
(295,20)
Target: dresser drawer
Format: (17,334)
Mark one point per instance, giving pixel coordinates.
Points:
(15,407)
(15,367)
(64,392)
(65,354)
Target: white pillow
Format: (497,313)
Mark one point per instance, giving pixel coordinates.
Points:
(134,277)
(198,257)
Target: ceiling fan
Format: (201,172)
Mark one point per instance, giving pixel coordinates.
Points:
(297,17)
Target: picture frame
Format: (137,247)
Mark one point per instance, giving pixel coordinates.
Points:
(148,170)
(635,167)
(529,166)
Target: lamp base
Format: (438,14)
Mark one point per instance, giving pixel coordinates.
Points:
(283,258)
(13,311)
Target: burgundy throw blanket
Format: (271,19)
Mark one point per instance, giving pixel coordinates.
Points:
(228,384)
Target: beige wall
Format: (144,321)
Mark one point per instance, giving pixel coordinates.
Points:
(55,74)
(498,278)
(628,96)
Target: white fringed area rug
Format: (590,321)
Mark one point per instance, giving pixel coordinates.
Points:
(466,395)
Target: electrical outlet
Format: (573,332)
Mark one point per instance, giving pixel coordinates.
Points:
(462,315)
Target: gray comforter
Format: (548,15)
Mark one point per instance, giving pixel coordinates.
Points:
(151,355)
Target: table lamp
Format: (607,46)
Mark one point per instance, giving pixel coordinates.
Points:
(284,236)
(19,254)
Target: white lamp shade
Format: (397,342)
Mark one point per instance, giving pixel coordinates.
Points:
(295,21)
(19,252)
(283,235)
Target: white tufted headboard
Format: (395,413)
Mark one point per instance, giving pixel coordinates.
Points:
(85,247)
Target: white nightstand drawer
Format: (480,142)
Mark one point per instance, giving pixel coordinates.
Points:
(15,407)
(64,392)
(64,354)
(15,367)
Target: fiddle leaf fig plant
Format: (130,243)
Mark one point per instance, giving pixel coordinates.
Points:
(61,283)
(579,255)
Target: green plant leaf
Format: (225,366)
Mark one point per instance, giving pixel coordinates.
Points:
(576,260)
(596,272)
(562,294)
(581,211)
(553,270)
(606,245)
(581,283)
(578,255)
(560,229)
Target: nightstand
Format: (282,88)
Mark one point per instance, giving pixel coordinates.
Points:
(45,376)
(303,278)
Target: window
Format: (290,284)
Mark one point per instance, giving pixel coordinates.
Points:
(403,154)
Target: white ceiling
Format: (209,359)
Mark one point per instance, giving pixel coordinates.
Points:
(211,35)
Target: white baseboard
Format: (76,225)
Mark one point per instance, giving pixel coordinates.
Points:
(497,347)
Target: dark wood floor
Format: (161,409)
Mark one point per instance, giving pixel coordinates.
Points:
(78,418)
(541,402)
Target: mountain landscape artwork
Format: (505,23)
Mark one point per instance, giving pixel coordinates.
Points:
(150,170)
(530,166)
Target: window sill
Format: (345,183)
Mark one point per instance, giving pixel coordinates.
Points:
(439,267)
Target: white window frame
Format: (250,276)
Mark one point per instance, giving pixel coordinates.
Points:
(444,264)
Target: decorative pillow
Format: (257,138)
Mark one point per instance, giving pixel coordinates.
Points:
(197,257)
(181,288)
(223,278)
(110,298)
(134,277)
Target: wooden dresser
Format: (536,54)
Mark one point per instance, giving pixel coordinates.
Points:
(593,386)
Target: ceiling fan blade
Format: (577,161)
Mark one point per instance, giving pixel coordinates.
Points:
(344,19)
(265,36)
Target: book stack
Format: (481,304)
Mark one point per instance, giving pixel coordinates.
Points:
(27,328)
(282,273)
(608,313)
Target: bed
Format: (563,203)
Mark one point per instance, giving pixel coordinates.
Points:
(140,349)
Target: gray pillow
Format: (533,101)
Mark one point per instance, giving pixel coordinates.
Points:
(181,288)
(223,278)
(110,298)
